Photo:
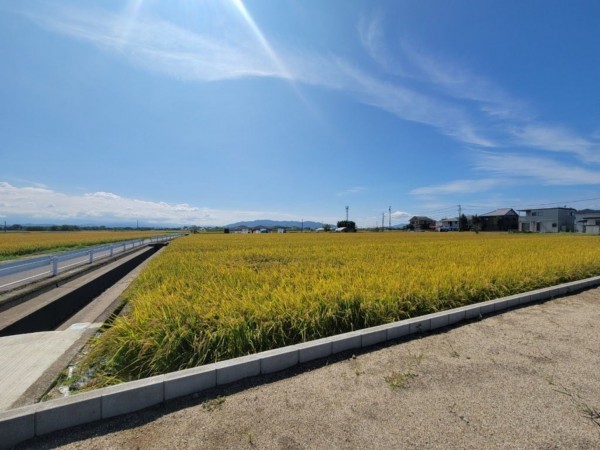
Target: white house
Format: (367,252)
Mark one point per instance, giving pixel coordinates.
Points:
(547,220)
(586,220)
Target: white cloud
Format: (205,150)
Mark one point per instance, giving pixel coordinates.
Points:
(163,47)
(401,216)
(415,86)
(44,204)
(371,33)
(494,112)
(536,169)
(557,139)
(456,81)
(351,191)
(458,187)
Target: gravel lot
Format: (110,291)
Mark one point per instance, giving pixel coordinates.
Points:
(528,378)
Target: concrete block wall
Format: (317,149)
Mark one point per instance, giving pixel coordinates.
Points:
(21,424)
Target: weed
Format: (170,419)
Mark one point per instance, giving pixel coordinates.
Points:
(213,404)
(591,413)
(399,380)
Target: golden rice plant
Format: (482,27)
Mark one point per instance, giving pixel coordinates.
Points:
(14,245)
(213,297)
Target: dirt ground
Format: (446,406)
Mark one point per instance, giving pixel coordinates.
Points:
(528,378)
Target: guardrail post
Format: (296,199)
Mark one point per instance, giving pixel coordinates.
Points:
(54,266)
(91,256)
(111,250)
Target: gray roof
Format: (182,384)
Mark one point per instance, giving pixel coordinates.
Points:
(422,218)
(499,212)
(546,209)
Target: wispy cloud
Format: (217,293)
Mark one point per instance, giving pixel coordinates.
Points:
(37,203)
(485,108)
(458,187)
(372,36)
(161,46)
(456,81)
(352,191)
(205,55)
(414,85)
(536,169)
(558,139)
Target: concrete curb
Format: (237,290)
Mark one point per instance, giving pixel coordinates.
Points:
(21,424)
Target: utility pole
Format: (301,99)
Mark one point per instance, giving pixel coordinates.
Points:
(459,214)
(390,218)
(347,213)
(382,221)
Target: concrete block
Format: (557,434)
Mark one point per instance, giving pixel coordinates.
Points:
(456,316)
(525,298)
(586,284)
(237,369)
(562,290)
(373,335)
(513,300)
(309,351)
(486,307)
(473,312)
(575,286)
(500,305)
(419,325)
(278,359)
(346,341)
(543,294)
(188,381)
(397,330)
(438,320)
(16,425)
(68,412)
(133,396)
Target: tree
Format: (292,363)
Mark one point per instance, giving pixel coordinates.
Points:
(349,224)
(327,227)
(463,223)
(476,221)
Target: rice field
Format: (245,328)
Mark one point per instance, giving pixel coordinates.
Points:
(213,297)
(14,245)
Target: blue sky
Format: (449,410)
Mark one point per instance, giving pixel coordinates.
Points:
(209,112)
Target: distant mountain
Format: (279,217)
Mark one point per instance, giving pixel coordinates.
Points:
(276,223)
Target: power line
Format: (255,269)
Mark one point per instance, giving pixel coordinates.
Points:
(567,201)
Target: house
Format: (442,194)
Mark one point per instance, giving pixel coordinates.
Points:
(450,224)
(585,219)
(547,220)
(341,230)
(504,219)
(589,225)
(420,223)
(241,230)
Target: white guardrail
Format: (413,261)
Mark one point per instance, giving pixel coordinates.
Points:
(16,273)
